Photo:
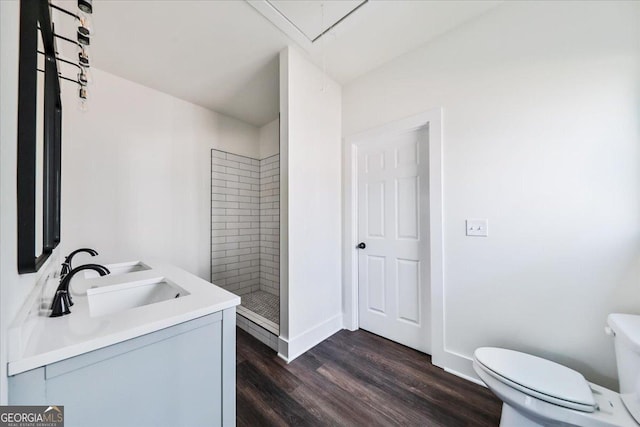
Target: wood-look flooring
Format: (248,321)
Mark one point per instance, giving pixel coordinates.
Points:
(354,379)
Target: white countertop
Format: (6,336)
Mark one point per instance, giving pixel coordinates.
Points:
(36,340)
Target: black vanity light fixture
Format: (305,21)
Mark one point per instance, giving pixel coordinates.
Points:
(83,37)
(84,21)
(83,71)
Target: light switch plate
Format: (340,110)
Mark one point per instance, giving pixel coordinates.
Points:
(478,227)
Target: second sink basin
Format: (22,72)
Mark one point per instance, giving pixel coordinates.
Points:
(118,269)
(115,298)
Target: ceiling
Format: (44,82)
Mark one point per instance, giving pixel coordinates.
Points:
(222,55)
(310,18)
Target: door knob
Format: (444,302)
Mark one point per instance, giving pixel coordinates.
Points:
(361,245)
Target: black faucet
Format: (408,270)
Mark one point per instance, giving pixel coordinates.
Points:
(62,299)
(66,265)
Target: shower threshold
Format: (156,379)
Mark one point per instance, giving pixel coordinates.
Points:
(263,309)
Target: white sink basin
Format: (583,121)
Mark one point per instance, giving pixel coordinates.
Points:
(118,269)
(126,296)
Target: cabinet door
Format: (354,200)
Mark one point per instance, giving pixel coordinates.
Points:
(175,381)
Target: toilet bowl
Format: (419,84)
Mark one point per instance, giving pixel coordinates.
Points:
(538,392)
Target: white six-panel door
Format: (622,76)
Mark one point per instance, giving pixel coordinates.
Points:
(393,274)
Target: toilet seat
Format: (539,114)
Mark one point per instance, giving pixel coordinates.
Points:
(537,377)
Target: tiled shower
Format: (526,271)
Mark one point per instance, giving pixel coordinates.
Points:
(245,238)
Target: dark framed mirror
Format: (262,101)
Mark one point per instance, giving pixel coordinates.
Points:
(39,138)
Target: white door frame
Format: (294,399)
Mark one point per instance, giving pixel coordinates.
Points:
(433,121)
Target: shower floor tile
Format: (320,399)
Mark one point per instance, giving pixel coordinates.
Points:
(263,303)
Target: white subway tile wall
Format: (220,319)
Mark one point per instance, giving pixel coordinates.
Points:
(245,223)
(270,225)
(235,222)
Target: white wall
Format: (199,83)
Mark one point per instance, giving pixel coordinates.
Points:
(136,172)
(311,196)
(14,288)
(541,128)
(269,139)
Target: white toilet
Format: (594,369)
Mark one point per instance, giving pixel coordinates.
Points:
(538,392)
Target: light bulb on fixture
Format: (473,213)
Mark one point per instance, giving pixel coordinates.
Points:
(84,30)
(85,77)
(83,39)
(83,105)
(83,96)
(85,24)
(83,57)
(86,6)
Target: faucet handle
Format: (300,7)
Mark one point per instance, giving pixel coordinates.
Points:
(64,270)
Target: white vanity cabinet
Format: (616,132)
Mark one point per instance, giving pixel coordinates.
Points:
(170,363)
(179,376)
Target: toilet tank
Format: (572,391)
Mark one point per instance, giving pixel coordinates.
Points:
(626,329)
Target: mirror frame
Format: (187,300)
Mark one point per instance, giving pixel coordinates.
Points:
(36,16)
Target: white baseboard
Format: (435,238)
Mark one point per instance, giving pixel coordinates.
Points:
(290,349)
(466,377)
(283,349)
(350,325)
(461,366)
